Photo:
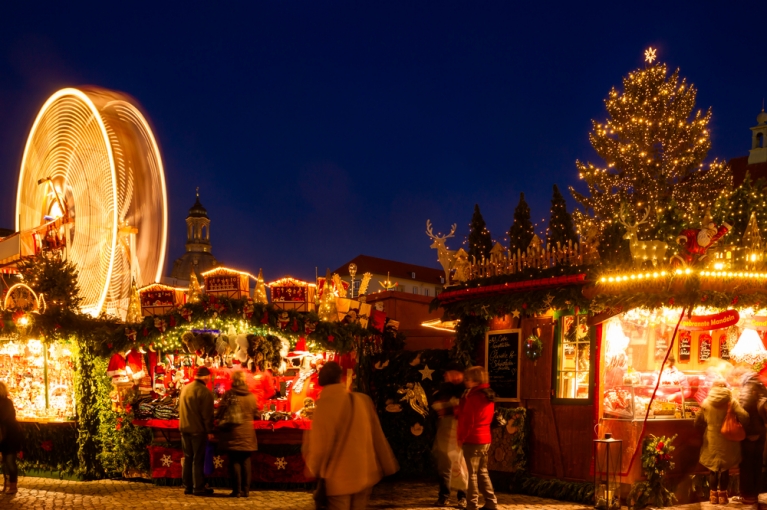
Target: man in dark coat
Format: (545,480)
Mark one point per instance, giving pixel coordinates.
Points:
(752,448)
(195,410)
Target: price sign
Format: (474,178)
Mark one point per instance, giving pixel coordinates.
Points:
(685,343)
(704,347)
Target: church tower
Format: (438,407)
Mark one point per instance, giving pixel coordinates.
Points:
(758,152)
(198,256)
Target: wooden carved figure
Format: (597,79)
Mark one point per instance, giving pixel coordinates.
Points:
(446,257)
(642,251)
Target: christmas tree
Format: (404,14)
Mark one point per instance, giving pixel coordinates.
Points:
(521,231)
(480,241)
(53,277)
(134,313)
(653,145)
(735,207)
(194,292)
(259,294)
(561,228)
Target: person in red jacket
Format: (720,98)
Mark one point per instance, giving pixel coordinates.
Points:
(475,413)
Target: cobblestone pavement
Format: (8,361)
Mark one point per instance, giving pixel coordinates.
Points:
(48,494)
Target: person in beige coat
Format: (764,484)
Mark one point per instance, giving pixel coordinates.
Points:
(718,454)
(351,463)
(239,442)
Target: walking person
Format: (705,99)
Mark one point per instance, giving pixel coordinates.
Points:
(719,454)
(239,441)
(446,451)
(195,410)
(475,414)
(346,447)
(752,448)
(10,446)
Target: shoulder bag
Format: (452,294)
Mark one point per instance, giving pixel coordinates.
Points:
(321,492)
(731,428)
(232,415)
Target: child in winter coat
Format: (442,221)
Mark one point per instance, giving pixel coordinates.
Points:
(719,454)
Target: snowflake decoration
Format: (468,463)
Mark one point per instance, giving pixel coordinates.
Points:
(218,461)
(280,463)
(649,54)
(166,460)
(548,300)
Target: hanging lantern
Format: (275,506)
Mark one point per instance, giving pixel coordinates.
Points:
(749,348)
(608,455)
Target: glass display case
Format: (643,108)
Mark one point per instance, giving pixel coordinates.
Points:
(40,379)
(635,346)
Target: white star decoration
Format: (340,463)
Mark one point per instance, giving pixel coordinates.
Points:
(515,314)
(649,54)
(166,460)
(426,373)
(218,461)
(280,463)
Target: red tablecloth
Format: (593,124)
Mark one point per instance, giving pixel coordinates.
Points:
(300,424)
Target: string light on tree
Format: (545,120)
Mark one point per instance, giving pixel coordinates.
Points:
(653,145)
(480,240)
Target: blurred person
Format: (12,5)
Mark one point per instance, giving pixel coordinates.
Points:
(10,446)
(195,410)
(445,450)
(752,448)
(719,454)
(475,413)
(346,446)
(239,441)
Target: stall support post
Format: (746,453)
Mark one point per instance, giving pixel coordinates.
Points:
(45,375)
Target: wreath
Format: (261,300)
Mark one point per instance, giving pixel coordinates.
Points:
(533,347)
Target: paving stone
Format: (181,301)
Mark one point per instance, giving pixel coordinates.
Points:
(48,494)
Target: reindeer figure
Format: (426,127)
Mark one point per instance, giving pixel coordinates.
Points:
(643,250)
(446,257)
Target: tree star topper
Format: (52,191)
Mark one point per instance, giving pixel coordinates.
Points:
(649,54)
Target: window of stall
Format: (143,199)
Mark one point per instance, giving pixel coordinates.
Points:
(573,374)
(40,379)
(635,344)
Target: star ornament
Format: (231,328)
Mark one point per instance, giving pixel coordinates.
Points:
(426,373)
(218,461)
(166,460)
(280,463)
(649,54)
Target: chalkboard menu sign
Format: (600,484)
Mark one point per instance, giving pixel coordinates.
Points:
(704,347)
(502,349)
(685,342)
(661,346)
(724,349)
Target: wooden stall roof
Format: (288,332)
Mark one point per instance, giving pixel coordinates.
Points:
(452,296)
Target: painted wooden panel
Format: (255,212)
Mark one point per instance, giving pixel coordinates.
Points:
(536,375)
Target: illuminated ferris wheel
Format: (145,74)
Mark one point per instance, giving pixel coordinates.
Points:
(92,171)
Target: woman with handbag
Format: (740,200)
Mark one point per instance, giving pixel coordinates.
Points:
(723,418)
(10,441)
(237,436)
(346,448)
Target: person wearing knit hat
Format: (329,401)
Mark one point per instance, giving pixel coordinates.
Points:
(195,409)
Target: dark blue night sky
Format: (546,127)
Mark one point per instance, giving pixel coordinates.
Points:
(321,130)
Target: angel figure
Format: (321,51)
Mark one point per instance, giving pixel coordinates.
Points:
(416,397)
